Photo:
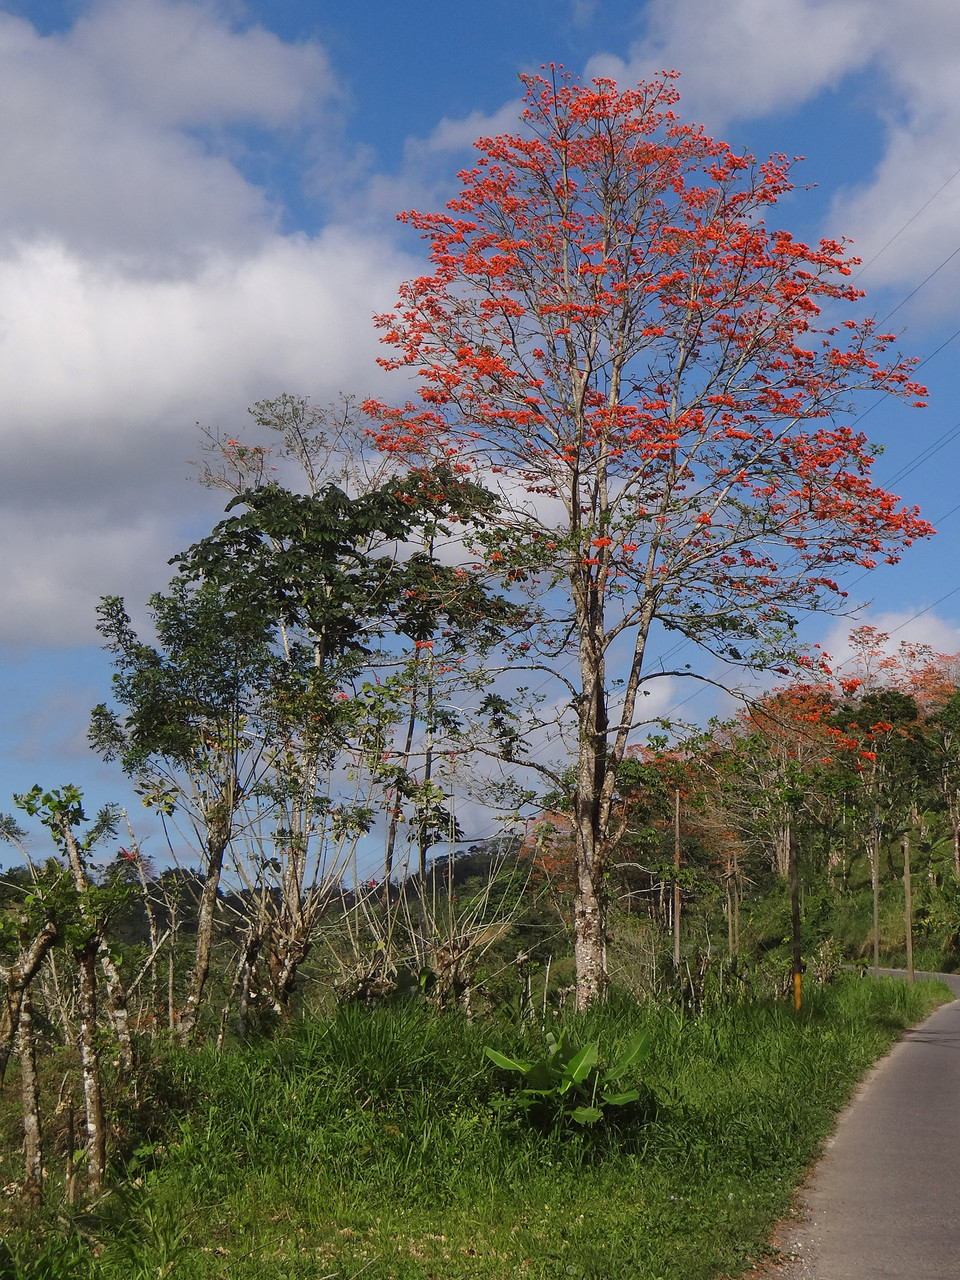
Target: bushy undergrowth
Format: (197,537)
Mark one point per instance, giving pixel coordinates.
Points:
(385,1144)
(845,917)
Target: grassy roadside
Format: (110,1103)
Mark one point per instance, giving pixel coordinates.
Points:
(384,1144)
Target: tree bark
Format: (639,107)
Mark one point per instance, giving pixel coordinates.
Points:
(795,917)
(590,816)
(17,979)
(90,1066)
(117,1009)
(217,840)
(590,908)
(676,881)
(908,905)
(875,885)
(32,1190)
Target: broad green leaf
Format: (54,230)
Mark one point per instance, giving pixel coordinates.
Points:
(580,1066)
(543,1076)
(638,1048)
(565,1051)
(620,1099)
(586,1115)
(508,1064)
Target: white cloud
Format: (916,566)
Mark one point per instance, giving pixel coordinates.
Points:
(900,627)
(582,12)
(746,57)
(103,375)
(102,139)
(919,52)
(177,64)
(144,284)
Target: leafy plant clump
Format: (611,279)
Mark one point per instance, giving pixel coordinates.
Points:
(567,1083)
(373,1143)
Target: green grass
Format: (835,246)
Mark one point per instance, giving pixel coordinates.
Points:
(383,1144)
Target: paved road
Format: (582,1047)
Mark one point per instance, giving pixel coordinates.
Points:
(883,1203)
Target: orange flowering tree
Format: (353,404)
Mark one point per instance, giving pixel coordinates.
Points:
(662,384)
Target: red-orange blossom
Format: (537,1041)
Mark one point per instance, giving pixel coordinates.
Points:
(610,326)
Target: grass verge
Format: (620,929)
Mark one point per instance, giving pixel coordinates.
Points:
(385,1145)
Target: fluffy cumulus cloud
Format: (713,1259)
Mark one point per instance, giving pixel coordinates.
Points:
(145,284)
(104,375)
(107,131)
(148,278)
(747,58)
(915,190)
(898,628)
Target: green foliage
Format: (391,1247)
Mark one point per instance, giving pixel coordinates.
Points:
(374,1139)
(567,1083)
(189,698)
(55,1258)
(53,893)
(316,562)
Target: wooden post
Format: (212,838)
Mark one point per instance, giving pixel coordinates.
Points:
(676,880)
(908,905)
(729,920)
(875,885)
(795,919)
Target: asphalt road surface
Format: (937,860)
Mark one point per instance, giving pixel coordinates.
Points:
(883,1202)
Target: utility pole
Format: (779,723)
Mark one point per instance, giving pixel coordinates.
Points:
(676,880)
(908,904)
(795,918)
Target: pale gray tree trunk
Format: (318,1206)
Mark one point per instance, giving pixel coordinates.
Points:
(676,881)
(218,836)
(90,1065)
(16,980)
(32,1190)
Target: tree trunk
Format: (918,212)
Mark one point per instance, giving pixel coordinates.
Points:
(403,766)
(90,1065)
(172,968)
(875,885)
(676,880)
(117,1009)
(16,980)
(590,945)
(218,839)
(32,1191)
(781,850)
(590,911)
(729,920)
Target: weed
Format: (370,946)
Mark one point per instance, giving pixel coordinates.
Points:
(370,1144)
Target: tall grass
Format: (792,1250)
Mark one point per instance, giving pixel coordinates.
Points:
(384,1144)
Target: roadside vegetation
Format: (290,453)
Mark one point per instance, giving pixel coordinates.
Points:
(385,1142)
(439,958)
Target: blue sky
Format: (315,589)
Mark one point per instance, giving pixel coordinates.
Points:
(196,211)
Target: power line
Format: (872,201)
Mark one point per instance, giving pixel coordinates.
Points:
(899,232)
(903,301)
(925,454)
(947,596)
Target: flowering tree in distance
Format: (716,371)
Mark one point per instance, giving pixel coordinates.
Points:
(610,326)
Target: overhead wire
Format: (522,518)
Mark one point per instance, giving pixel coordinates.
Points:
(911,465)
(900,230)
